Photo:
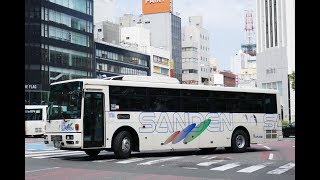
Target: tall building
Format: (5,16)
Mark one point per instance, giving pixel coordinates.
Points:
(138,38)
(129,20)
(276,50)
(213,72)
(58,44)
(165,28)
(195,52)
(244,66)
(113,60)
(107,31)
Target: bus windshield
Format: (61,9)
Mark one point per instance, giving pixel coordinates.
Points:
(65,101)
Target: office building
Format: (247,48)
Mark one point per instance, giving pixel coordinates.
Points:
(113,60)
(138,38)
(58,44)
(165,28)
(276,50)
(195,52)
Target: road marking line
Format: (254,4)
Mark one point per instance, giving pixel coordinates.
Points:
(189,168)
(282,169)
(259,144)
(267,147)
(212,157)
(209,163)
(130,160)
(59,155)
(39,152)
(42,169)
(225,167)
(204,157)
(159,160)
(252,168)
(270,156)
(103,160)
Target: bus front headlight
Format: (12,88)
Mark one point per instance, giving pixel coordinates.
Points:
(69,137)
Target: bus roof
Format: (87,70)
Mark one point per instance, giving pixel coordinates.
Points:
(142,81)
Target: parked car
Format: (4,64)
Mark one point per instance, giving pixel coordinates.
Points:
(289,130)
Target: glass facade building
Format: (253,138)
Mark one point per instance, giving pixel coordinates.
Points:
(58,44)
(112,61)
(176,46)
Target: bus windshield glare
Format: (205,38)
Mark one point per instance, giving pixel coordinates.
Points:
(65,101)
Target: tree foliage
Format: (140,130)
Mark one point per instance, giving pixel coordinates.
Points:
(292,78)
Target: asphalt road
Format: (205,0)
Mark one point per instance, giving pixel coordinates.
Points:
(262,161)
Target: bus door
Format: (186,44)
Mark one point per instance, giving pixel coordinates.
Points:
(93,120)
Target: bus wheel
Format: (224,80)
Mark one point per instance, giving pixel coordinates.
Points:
(92,152)
(239,141)
(122,145)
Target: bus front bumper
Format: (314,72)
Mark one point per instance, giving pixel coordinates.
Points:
(63,140)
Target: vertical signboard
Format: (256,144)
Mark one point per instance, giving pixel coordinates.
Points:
(172,68)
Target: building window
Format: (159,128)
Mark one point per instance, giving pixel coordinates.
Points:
(271,23)
(84,6)
(65,35)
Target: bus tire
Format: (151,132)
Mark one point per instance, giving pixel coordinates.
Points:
(92,152)
(239,141)
(122,145)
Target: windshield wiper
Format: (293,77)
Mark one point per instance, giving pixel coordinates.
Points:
(48,111)
(63,117)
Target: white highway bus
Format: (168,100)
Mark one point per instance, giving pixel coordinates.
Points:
(139,113)
(35,118)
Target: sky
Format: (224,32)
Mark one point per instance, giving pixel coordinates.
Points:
(224,20)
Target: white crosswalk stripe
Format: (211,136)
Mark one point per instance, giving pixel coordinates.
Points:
(60,155)
(209,163)
(212,157)
(56,153)
(226,167)
(252,168)
(130,161)
(144,161)
(282,169)
(39,152)
(107,160)
(159,161)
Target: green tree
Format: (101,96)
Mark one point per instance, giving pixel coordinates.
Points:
(292,78)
